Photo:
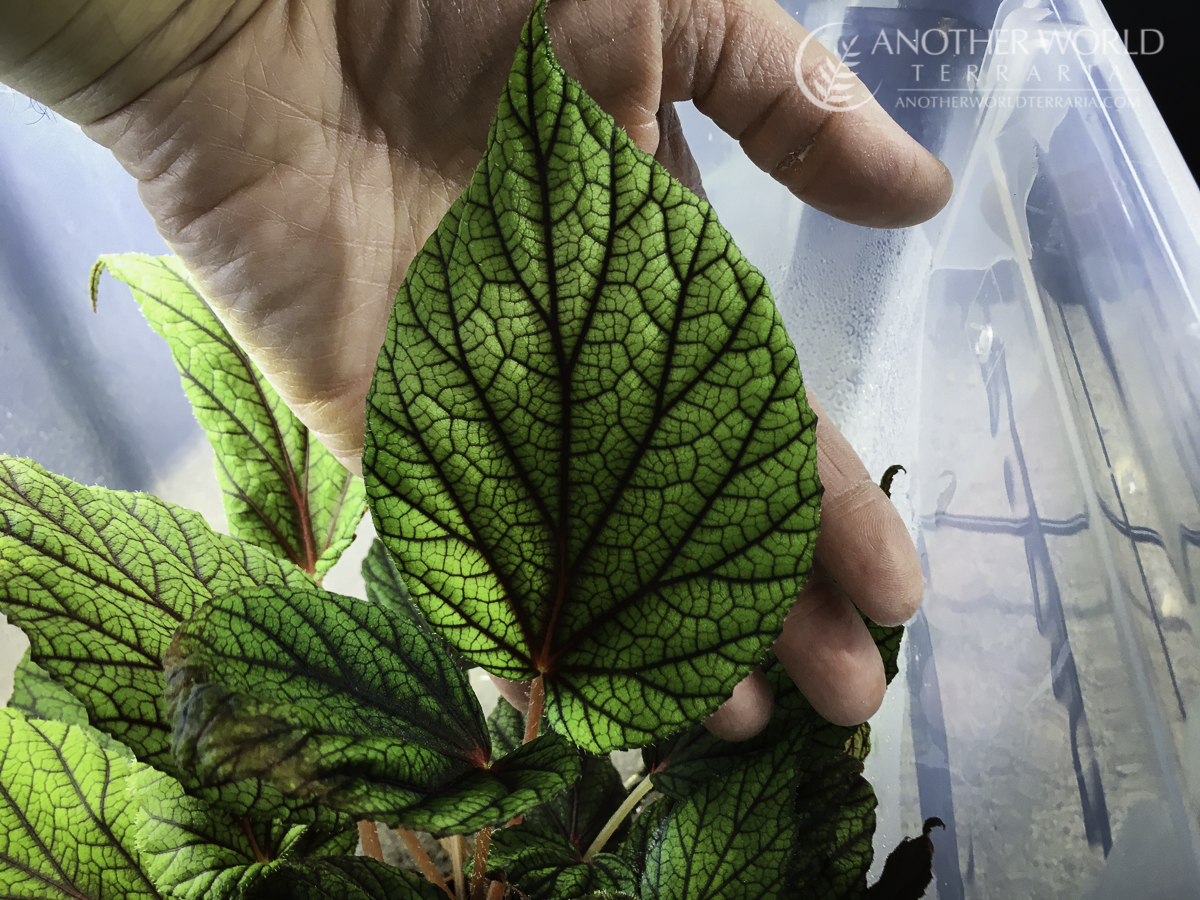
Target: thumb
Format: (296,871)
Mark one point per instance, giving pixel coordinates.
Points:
(741,61)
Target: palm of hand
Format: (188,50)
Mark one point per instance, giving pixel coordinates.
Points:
(298,164)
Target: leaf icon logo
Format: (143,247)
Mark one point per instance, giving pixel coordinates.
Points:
(831,83)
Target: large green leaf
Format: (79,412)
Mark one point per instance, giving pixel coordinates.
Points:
(99,580)
(66,823)
(283,490)
(344,702)
(731,838)
(587,437)
(193,851)
(356,878)
(545,866)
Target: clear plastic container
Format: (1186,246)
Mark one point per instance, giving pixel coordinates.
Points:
(1031,355)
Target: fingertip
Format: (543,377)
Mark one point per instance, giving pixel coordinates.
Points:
(865,546)
(864,168)
(829,653)
(746,712)
(855,707)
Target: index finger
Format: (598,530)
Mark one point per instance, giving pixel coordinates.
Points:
(737,60)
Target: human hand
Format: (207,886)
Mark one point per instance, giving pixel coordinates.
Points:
(296,156)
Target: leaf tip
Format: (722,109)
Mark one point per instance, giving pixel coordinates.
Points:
(94,280)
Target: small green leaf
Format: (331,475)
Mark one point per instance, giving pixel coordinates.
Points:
(835,821)
(731,838)
(385,587)
(643,831)
(887,639)
(683,764)
(582,810)
(195,852)
(39,696)
(66,823)
(345,878)
(506,725)
(545,866)
(835,811)
(345,703)
(579,813)
(283,490)
(99,580)
(587,438)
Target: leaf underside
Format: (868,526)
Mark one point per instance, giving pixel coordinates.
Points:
(587,438)
(343,702)
(100,579)
(283,491)
(66,823)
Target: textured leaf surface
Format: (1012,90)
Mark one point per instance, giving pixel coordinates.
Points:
(683,764)
(835,818)
(66,823)
(731,838)
(579,813)
(341,701)
(587,437)
(643,831)
(834,810)
(385,587)
(99,580)
(39,696)
(545,866)
(195,852)
(283,490)
(353,878)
